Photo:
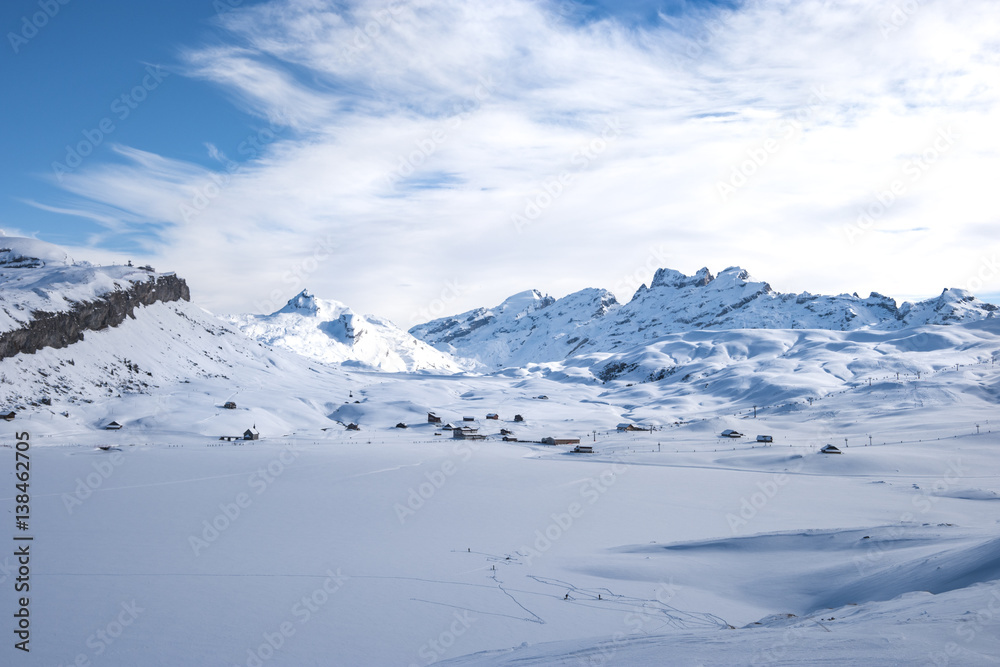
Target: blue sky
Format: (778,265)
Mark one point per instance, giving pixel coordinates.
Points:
(63,81)
(500,146)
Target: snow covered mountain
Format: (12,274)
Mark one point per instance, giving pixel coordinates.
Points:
(330,332)
(532,328)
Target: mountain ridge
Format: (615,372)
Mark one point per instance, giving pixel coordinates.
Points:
(592,320)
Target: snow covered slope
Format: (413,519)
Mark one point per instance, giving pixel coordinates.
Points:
(530,327)
(329,331)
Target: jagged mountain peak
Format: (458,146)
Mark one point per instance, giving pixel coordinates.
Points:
(306,304)
(678,280)
(524,302)
(329,331)
(304,300)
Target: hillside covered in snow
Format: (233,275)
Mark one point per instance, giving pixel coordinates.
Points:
(532,328)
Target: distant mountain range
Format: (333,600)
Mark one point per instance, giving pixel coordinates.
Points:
(48,300)
(532,328)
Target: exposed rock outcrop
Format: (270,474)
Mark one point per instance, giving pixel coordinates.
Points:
(109,310)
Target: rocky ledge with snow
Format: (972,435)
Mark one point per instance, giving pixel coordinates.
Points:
(49,300)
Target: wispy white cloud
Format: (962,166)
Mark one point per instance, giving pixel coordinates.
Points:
(404,141)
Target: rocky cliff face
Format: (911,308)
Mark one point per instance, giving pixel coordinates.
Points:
(59,329)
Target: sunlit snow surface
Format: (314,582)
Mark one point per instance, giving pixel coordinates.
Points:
(316,545)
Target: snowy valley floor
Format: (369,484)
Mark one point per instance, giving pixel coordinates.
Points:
(402,547)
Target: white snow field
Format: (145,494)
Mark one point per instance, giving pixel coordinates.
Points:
(392,546)
(162,544)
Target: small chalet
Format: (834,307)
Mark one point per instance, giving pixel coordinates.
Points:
(467,433)
(830,449)
(230,405)
(448,427)
(764,438)
(623,427)
(730,433)
(518,418)
(468,419)
(506,431)
(113,426)
(401,425)
(8,416)
(433,418)
(493,415)
(353,427)
(560,441)
(251,434)
(583,449)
